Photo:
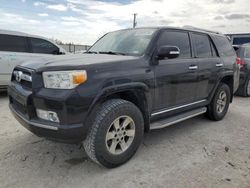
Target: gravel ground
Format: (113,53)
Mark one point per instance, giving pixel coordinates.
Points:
(194,153)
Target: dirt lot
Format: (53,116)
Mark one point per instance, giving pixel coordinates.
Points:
(194,153)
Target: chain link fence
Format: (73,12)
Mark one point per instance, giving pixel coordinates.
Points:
(73,48)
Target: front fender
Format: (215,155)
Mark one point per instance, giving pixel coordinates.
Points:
(111,90)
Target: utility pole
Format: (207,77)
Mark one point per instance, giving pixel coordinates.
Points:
(134,22)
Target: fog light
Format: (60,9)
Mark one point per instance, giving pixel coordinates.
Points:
(47,115)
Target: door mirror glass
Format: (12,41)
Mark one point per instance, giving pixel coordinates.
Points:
(169,52)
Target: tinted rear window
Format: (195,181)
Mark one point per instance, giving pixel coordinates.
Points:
(43,46)
(224,46)
(247,52)
(13,43)
(202,45)
(241,40)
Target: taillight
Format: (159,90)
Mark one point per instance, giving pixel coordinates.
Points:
(240,62)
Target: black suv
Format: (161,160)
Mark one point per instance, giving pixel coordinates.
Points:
(129,82)
(243,60)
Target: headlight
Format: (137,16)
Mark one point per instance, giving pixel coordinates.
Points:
(64,79)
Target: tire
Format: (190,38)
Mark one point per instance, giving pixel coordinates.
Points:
(214,111)
(245,90)
(104,133)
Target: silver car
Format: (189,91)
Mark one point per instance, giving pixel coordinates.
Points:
(17,47)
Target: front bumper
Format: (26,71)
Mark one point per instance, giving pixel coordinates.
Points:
(67,104)
(66,133)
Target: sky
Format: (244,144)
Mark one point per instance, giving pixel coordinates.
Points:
(84,21)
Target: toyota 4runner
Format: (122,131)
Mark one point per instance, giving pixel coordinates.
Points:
(129,82)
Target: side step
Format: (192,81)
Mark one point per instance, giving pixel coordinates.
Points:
(176,119)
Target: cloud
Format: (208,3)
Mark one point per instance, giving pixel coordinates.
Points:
(237,16)
(8,18)
(84,21)
(70,18)
(224,1)
(58,7)
(219,26)
(218,18)
(38,3)
(43,14)
(71,23)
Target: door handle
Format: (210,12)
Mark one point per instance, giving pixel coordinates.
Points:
(193,67)
(219,64)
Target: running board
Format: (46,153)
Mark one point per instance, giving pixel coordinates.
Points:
(176,119)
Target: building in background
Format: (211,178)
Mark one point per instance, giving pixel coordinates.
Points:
(239,39)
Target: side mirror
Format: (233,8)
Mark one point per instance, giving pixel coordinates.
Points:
(61,53)
(58,52)
(169,52)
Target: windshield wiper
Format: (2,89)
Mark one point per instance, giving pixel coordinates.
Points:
(112,53)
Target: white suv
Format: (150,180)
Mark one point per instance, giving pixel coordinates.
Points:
(17,47)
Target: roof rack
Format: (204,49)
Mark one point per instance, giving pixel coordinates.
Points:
(200,29)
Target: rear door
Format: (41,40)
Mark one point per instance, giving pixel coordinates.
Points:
(208,62)
(176,79)
(228,56)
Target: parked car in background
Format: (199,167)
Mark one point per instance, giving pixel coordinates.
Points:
(17,47)
(129,82)
(239,39)
(243,53)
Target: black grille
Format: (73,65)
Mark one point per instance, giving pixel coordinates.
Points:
(24,83)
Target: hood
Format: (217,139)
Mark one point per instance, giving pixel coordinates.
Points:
(74,60)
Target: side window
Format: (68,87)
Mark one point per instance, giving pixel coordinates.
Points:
(13,43)
(202,45)
(43,46)
(214,53)
(176,38)
(224,46)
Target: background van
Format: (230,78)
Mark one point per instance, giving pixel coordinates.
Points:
(17,47)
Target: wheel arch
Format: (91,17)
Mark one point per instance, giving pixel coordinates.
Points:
(227,79)
(136,93)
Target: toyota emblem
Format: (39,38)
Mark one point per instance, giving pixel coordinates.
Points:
(19,76)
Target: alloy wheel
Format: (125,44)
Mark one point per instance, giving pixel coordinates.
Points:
(221,102)
(120,135)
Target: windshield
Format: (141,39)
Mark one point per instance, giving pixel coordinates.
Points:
(124,42)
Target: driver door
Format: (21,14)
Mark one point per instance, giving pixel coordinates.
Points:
(176,80)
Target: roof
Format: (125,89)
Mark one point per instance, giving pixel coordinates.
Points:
(185,28)
(17,33)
